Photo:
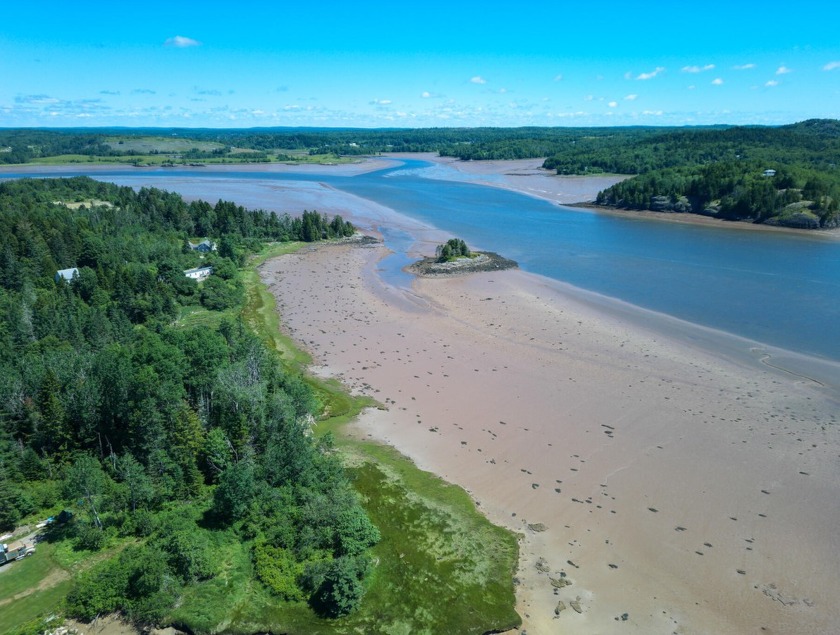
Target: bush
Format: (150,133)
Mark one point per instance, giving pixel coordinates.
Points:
(338,585)
(355,532)
(278,570)
(89,537)
(218,294)
(190,554)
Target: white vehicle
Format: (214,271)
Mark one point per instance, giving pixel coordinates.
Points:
(20,553)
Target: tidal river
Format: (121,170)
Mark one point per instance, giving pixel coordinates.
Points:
(777,289)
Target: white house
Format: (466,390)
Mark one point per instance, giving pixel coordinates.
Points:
(769,173)
(199,273)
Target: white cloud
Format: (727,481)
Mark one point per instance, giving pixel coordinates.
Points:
(179,41)
(478,80)
(783,70)
(697,69)
(426,94)
(717,81)
(743,67)
(502,91)
(589,98)
(831,66)
(631,97)
(771,83)
(658,113)
(558,77)
(652,74)
(613,104)
(381,102)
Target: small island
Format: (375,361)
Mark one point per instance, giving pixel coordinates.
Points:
(454,258)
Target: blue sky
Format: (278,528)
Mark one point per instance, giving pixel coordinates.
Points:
(378,64)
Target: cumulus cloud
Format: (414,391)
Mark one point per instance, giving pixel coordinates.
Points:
(743,67)
(771,83)
(697,69)
(613,104)
(783,70)
(652,74)
(717,81)
(831,66)
(478,79)
(179,41)
(631,97)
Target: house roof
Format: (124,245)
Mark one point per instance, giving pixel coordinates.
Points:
(206,269)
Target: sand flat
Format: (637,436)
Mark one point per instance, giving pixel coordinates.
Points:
(661,472)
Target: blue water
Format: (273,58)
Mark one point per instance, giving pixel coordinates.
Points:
(776,288)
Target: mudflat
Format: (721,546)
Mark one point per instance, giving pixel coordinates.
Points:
(676,490)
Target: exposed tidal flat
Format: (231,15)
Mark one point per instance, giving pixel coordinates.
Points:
(672,474)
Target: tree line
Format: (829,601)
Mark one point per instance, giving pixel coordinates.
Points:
(180,442)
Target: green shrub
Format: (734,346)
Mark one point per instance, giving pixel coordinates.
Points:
(338,585)
(355,532)
(278,570)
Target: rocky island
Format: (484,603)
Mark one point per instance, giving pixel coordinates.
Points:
(454,258)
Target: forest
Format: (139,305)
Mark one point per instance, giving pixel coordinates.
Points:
(168,444)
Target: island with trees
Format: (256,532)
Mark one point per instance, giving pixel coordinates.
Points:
(454,258)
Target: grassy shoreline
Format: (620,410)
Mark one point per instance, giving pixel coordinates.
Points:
(443,567)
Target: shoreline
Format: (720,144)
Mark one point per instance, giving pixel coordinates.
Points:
(549,411)
(526,176)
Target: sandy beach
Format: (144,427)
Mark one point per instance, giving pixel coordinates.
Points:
(682,489)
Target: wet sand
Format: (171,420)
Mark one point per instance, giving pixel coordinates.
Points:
(525,176)
(692,493)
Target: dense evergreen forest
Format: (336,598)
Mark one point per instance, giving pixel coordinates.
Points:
(173,443)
